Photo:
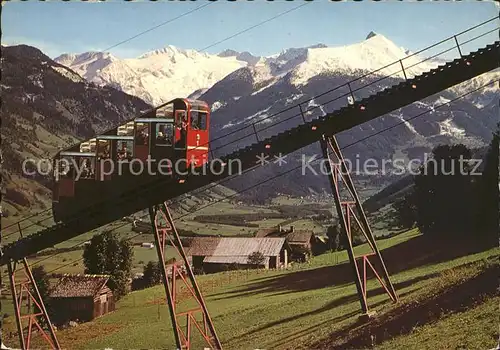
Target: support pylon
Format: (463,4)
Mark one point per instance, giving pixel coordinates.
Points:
(346,211)
(163,229)
(33,299)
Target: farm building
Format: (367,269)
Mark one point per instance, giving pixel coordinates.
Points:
(81,297)
(214,254)
(301,242)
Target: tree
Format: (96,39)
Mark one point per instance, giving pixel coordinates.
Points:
(406,211)
(333,234)
(107,255)
(152,274)
(444,192)
(42,282)
(489,189)
(256,258)
(118,283)
(338,238)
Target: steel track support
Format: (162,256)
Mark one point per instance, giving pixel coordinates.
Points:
(163,229)
(28,290)
(346,210)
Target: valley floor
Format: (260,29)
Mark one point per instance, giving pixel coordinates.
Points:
(447,290)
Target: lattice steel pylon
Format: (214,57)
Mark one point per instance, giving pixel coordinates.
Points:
(163,229)
(338,172)
(33,299)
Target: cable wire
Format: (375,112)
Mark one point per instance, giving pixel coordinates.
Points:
(308,110)
(157,26)
(432,109)
(153,28)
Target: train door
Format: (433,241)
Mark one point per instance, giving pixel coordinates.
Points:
(198,139)
(104,164)
(65,175)
(141,143)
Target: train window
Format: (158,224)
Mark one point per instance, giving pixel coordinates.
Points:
(92,143)
(126,130)
(164,134)
(181,125)
(104,149)
(165,112)
(124,150)
(198,120)
(66,168)
(142,134)
(180,119)
(87,168)
(85,147)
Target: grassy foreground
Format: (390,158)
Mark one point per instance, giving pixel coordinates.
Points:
(443,287)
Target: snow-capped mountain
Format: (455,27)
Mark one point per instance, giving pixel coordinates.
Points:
(156,76)
(160,75)
(259,93)
(243,88)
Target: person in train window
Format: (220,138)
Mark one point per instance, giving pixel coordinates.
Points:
(67,170)
(140,138)
(169,134)
(182,141)
(195,122)
(145,137)
(104,152)
(90,167)
(64,169)
(85,168)
(160,138)
(122,153)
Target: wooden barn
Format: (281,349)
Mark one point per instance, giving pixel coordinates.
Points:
(214,254)
(81,297)
(301,242)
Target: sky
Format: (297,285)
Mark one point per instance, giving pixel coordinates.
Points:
(73,27)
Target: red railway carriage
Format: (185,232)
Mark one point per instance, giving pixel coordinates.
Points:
(163,142)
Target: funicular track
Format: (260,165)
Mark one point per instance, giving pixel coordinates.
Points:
(164,188)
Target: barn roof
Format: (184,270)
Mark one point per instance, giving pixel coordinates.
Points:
(268,232)
(299,236)
(239,246)
(71,286)
(295,236)
(234,246)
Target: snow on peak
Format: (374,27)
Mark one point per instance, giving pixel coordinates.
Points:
(83,58)
(173,52)
(156,76)
(371,54)
(160,75)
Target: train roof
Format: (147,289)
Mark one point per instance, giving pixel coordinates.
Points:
(194,104)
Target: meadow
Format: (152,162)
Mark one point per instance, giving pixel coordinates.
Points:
(315,305)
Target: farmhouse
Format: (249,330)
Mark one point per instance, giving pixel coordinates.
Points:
(81,297)
(217,253)
(301,242)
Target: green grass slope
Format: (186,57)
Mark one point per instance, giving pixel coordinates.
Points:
(315,305)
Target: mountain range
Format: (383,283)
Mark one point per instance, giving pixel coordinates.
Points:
(163,74)
(243,88)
